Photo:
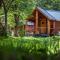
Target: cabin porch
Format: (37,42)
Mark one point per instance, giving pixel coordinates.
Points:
(44,27)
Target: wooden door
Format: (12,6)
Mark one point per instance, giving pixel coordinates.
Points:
(43,26)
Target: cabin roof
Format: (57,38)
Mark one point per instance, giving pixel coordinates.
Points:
(50,14)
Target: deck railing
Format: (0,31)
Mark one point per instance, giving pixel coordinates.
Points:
(52,30)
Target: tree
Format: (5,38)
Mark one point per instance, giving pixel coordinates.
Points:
(5,4)
(49,4)
(22,9)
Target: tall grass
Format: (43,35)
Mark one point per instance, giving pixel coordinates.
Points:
(25,48)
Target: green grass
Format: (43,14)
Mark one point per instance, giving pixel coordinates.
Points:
(19,46)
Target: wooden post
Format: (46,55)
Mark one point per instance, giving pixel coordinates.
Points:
(48,27)
(54,27)
(36,23)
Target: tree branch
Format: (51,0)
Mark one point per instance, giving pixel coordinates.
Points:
(4,5)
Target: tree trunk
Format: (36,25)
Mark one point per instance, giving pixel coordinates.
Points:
(16,26)
(5,13)
(5,22)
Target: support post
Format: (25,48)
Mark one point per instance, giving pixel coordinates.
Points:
(54,27)
(48,27)
(36,23)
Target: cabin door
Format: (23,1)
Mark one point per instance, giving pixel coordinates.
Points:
(43,27)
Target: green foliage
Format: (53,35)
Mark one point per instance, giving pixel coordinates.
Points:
(22,48)
(23,7)
(22,32)
(11,21)
(49,4)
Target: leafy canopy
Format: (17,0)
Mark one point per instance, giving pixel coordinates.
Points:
(23,8)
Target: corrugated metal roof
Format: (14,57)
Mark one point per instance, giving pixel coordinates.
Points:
(55,14)
(50,14)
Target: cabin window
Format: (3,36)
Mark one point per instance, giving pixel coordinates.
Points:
(42,22)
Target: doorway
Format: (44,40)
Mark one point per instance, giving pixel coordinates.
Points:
(42,26)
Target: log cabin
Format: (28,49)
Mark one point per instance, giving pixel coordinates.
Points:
(43,22)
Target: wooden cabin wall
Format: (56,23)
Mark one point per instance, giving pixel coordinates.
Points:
(42,23)
(51,27)
(57,26)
